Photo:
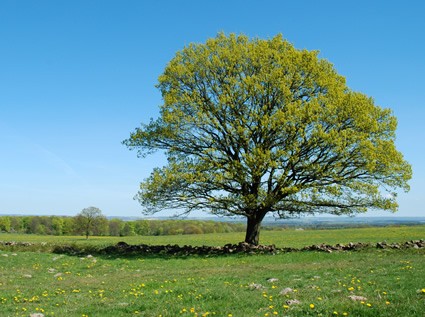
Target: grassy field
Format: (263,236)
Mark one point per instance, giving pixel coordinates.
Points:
(286,238)
(391,282)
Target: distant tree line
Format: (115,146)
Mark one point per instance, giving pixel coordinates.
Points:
(58,225)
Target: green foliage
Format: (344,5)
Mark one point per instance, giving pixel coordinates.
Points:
(57,225)
(175,227)
(5,224)
(16,224)
(35,226)
(26,220)
(257,126)
(68,225)
(115,227)
(90,221)
(54,225)
(102,227)
(142,227)
(128,229)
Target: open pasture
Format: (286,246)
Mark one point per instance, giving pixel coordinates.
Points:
(388,282)
(286,238)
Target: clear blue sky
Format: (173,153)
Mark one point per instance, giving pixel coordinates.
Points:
(76,77)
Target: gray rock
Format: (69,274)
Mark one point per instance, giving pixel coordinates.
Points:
(256,286)
(356,298)
(286,291)
(292,302)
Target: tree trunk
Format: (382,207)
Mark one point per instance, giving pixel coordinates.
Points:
(253,229)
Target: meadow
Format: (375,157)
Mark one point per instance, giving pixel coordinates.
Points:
(386,282)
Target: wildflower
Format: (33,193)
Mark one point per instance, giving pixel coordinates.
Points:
(311,306)
(423,290)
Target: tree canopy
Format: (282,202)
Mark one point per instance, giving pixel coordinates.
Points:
(90,220)
(254,126)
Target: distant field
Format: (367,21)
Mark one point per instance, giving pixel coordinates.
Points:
(390,282)
(286,238)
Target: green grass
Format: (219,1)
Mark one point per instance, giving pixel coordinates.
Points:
(220,286)
(286,238)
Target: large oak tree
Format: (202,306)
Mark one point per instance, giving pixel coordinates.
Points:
(253,126)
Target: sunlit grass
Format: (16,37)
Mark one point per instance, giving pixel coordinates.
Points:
(285,238)
(195,286)
(391,281)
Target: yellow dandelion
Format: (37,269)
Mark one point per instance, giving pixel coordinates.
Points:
(311,306)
